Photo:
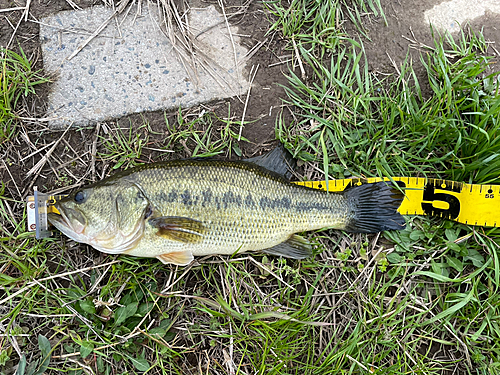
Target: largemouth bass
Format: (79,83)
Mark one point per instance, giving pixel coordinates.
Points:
(180,209)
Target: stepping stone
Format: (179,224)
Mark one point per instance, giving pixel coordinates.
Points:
(131,65)
(449,15)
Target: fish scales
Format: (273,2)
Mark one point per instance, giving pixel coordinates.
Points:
(180,209)
(243,207)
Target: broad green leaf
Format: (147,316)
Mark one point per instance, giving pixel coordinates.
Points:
(395,258)
(21,367)
(476,258)
(158,331)
(125,312)
(87,306)
(455,263)
(45,349)
(451,235)
(86,348)
(453,246)
(416,235)
(140,363)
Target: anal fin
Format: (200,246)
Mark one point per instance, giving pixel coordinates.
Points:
(179,258)
(176,228)
(296,247)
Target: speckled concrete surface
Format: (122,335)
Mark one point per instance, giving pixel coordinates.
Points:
(449,15)
(131,66)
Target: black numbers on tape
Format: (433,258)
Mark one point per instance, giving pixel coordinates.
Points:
(431,196)
(490,194)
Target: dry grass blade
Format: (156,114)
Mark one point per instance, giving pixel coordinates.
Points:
(12,9)
(64,274)
(221,4)
(190,51)
(38,166)
(94,34)
(27,10)
(252,77)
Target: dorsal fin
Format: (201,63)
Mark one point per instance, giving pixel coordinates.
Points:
(279,160)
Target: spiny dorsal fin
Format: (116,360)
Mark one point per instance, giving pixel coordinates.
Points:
(177,228)
(278,160)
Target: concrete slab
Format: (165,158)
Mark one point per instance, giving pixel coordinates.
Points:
(132,67)
(449,15)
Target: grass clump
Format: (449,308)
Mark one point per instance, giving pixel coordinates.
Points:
(17,79)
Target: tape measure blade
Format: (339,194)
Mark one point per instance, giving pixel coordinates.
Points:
(465,203)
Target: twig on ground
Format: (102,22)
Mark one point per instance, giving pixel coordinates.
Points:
(38,166)
(301,66)
(248,97)
(94,34)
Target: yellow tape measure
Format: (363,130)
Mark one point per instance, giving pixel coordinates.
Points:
(465,203)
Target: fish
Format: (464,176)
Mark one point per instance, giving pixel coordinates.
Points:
(179,209)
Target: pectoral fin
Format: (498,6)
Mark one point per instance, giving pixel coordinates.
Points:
(296,247)
(179,258)
(177,228)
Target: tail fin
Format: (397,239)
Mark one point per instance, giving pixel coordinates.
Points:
(375,208)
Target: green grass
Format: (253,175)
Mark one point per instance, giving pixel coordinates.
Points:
(423,300)
(17,79)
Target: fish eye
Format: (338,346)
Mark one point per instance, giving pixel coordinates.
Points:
(80,196)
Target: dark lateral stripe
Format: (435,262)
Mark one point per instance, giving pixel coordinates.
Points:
(306,206)
(284,202)
(229,199)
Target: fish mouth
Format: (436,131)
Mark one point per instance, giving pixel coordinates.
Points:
(68,221)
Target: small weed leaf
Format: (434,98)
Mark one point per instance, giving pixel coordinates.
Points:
(417,235)
(475,257)
(395,258)
(455,263)
(125,312)
(86,348)
(140,363)
(35,368)
(87,306)
(451,234)
(44,345)
(21,367)
(453,246)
